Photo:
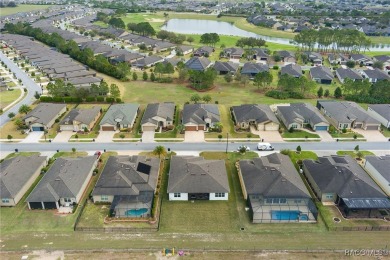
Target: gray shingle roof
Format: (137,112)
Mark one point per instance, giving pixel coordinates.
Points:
(63,180)
(376,74)
(122,113)
(226,66)
(344,176)
(192,174)
(234,51)
(45,112)
(15,172)
(147,61)
(164,110)
(321,72)
(382,109)
(254,68)
(346,111)
(85,116)
(258,112)
(292,70)
(198,63)
(273,175)
(348,73)
(303,111)
(121,176)
(381,164)
(196,113)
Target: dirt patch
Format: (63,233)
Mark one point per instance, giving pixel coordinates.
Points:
(156,20)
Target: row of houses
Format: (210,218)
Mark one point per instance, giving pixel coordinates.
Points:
(195,117)
(273,188)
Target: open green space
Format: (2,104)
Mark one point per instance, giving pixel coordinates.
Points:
(8,96)
(299,134)
(21,8)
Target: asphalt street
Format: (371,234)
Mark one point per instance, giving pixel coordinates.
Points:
(206,146)
(27,83)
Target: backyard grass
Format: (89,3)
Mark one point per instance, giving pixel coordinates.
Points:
(353,153)
(299,134)
(8,96)
(4,11)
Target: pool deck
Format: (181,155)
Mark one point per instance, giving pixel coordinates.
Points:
(263,214)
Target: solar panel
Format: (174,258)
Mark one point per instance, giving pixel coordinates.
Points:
(144,168)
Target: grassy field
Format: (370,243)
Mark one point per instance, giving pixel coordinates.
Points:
(353,153)
(12,155)
(21,8)
(299,134)
(7,97)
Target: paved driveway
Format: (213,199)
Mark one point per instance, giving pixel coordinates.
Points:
(62,137)
(148,137)
(371,135)
(33,137)
(268,136)
(325,136)
(194,136)
(105,137)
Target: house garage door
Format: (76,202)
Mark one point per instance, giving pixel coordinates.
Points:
(66,128)
(372,127)
(271,127)
(358,125)
(148,128)
(191,128)
(37,128)
(108,128)
(35,205)
(50,205)
(321,128)
(201,127)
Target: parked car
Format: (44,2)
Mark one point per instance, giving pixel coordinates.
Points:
(264,147)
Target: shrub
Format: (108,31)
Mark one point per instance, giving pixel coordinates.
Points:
(277,94)
(110,99)
(67,99)
(285,151)
(100,99)
(90,99)
(275,67)
(57,120)
(291,129)
(118,100)
(367,99)
(216,102)
(165,80)
(344,130)
(58,99)
(45,99)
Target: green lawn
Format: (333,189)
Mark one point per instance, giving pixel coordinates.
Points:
(21,8)
(385,131)
(8,96)
(353,153)
(299,134)
(12,155)
(294,156)
(346,135)
(69,154)
(87,135)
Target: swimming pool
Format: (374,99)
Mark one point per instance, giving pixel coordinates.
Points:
(136,212)
(288,215)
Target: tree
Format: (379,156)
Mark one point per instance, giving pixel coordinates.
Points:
(356,148)
(350,64)
(9,137)
(320,92)
(228,77)
(244,80)
(114,91)
(209,39)
(132,27)
(190,39)
(11,115)
(24,109)
(338,93)
(160,151)
(37,95)
(145,76)
(73,150)
(378,65)
(327,93)
(242,149)
(135,76)
(152,77)
(195,98)
(262,79)
(116,22)
(299,149)
(122,136)
(359,155)
(18,123)
(206,98)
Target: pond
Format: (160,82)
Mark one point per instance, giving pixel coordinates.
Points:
(195,26)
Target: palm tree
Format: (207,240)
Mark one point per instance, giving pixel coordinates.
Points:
(160,151)
(24,109)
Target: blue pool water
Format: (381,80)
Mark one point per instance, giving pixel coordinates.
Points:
(136,212)
(288,215)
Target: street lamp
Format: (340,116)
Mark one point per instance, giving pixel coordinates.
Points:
(227,142)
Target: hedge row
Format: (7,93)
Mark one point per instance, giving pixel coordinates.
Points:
(367,99)
(284,95)
(78,100)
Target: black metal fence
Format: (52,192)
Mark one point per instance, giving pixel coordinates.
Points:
(360,228)
(117,229)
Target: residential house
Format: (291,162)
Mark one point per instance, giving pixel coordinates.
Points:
(258,115)
(158,115)
(342,181)
(375,75)
(385,59)
(225,67)
(361,59)
(64,184)
(380,112)
(252,69)
(347,115)
(160,46)
(301,115)
(336,58)
(119,116)
(292,70)
(203,51)
(43,116)
(81,119)
(274,190)
(84,82)
(184,49)
(233,53)
(129,184)
(195,178)
(321,74)
(378,168)
(287,56)
(343,74)
(259,54)
(198,63)
(147,62)
(314,57)
(17,175)
(200,116)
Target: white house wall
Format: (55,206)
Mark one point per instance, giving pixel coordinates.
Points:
(212,197)
(183,196)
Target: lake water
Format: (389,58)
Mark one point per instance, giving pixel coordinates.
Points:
(194,26)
